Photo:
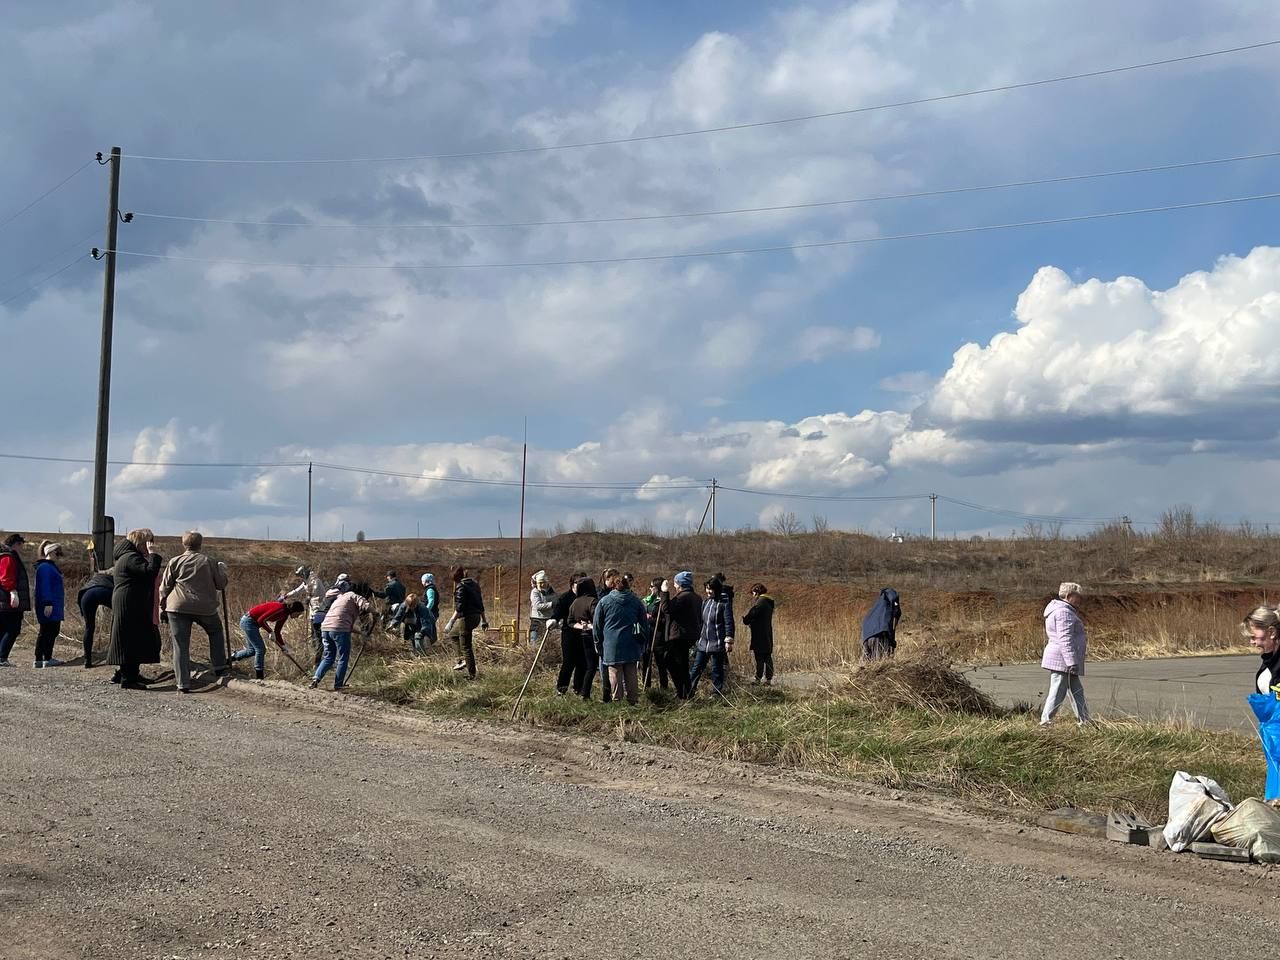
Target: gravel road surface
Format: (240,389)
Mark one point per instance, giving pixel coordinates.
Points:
(262,821)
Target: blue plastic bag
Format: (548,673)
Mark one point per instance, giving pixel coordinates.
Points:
(1267,709)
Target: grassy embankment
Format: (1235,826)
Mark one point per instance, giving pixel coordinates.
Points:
(903,725)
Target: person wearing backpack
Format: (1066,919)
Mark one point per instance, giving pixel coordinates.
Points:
(468,614)
(50,602)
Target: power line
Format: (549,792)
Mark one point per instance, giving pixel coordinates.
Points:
(824,497)
(61,183)
(773,208)
(43,280)
(743,251)
(644,138)
(1035,517)
(79,244)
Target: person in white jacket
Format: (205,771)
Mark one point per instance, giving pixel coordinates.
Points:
(310,589)
(541,599)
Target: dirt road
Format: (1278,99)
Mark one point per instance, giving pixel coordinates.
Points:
(248,823)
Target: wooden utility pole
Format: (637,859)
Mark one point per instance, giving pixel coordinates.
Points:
(310,464)
(933,516)
(103,526)
(714,487)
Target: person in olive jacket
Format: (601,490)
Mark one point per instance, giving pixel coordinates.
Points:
(135,608)
(759,620)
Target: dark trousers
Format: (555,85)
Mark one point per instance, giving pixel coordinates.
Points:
(10,627)
(45,639)
(719,661)
(678,668)
(463,630)
(655,660)
(764,663)
(573,662)
(317,641)
(93,599)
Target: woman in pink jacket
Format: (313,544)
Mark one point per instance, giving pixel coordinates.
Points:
(1064,654)
(345,608)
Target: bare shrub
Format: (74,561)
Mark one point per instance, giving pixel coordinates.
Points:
(820,524)
(786,524)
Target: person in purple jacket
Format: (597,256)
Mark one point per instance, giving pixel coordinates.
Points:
(1064,654)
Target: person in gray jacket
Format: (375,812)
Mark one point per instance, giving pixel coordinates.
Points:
(189,595)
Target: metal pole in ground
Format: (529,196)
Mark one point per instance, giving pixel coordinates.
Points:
(226,627)
(533,666)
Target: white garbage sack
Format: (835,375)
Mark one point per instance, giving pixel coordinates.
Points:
(1195,805)
(1254,826)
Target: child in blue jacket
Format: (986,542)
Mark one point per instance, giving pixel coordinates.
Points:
(50,602)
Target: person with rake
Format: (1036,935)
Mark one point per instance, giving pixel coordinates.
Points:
(271,614)
(345,609)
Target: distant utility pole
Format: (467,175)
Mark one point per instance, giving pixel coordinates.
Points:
(309,466)
(1128,525)
(933,516)
(715,485)
(103,531)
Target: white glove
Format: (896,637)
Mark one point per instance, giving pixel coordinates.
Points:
(48,610)
(666,586)
(14,599)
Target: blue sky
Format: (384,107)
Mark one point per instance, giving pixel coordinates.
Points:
(1140,369)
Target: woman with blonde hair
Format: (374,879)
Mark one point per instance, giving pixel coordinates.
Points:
(135,607)
(1064,652)
(1262,629)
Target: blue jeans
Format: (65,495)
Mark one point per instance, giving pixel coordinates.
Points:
(719,661)
(336,642)
(254,645)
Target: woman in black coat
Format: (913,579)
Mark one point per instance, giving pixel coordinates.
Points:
(135,632)
(759,618)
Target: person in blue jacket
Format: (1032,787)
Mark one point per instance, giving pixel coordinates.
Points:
(50,603)
(619,625)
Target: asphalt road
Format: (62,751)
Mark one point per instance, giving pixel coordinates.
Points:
(269,822)
(1204,691)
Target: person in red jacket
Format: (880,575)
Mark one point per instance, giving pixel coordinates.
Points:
(15,594)
(271,614)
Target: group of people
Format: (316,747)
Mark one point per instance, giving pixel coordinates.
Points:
(606,629)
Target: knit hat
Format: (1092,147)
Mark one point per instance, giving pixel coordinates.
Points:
(302,571)
(343,578)
(684,579)
(428,579)
(50,549)
(540,577)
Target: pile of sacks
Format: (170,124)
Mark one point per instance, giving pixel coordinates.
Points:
(1200,810)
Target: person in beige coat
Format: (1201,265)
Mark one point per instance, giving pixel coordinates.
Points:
(189,595)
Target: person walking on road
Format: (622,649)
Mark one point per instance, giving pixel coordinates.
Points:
(273,614)
(759,620)
(1064,654)
(345,609)
(619,626)
(188,596)
(95,594)
(50,602)
(541,599)
(135,608)
(715,642)
(468,614)
(682,613)
(15,594)
(1262,629)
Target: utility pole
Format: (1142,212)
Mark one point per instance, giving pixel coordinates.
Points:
(309,466)
(1128,525)
(524,469)
(714,486)
(103,532)
(933,517)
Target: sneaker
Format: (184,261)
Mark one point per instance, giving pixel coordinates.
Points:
(184,689)
(257,675)
(313,684)
(55,663)
(460,666)
(5,663)
(38,664)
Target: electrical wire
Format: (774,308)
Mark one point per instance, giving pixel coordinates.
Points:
(694,255)
(61,183)
(58,256)
(1034,517)
(44,280)
(824,497)
(756,124)
(773,208)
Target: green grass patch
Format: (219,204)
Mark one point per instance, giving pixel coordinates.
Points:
(975,751)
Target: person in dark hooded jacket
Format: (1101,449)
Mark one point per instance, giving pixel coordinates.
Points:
(880,626)
(759,619)
(135,607)
(93,595)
